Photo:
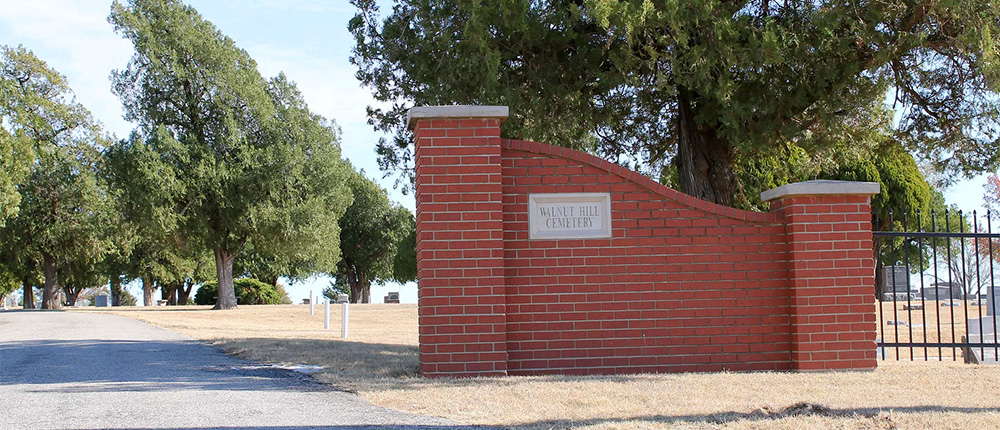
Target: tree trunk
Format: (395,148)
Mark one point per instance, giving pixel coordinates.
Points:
(50,293)
(366,287)
(148,287)
(168,292)
(29,294)
(116,291)
(72,295)
(224,274)
(184,292)
(704,160)
(354,284)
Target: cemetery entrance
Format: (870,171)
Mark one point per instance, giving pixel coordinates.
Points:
(936,286)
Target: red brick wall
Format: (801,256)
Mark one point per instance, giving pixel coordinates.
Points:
(682,284)
(832,271)
(460,263)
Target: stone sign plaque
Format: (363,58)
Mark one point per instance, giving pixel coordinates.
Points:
(569,216)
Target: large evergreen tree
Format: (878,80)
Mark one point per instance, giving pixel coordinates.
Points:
(61,214)
(21,78)
(250,175)
(697,84)
(146,177)
(314,248)
(370,231)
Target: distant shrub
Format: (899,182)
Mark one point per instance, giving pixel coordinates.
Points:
(127,299)
(207,294)
(283,294)
(249,291)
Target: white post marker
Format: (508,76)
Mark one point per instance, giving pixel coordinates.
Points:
(326,318)
(312,301)
(343,320)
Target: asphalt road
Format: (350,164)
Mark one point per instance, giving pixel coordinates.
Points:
(68,370)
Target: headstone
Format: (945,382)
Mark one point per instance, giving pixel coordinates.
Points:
(343,298)
(393,297)
(983,330)
(101,301)
(993,301)
(895,282)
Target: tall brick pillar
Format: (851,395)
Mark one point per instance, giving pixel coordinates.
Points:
(460,268)
(832,272)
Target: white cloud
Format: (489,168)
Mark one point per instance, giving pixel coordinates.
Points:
(75,39)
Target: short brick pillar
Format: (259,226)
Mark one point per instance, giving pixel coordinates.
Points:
(831,272)
(460,261)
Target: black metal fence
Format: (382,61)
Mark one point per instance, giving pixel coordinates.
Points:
(936,287)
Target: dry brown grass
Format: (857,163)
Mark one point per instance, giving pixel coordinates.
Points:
(379,363)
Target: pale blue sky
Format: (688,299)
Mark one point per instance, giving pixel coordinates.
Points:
(307,39)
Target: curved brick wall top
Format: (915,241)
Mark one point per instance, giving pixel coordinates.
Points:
(642,180)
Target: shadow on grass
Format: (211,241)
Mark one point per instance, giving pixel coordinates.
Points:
(710,420)
(347,365)
(876,420)
(354,366)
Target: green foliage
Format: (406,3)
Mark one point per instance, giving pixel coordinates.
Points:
(192,82)
(370,230)
(404,263)
(141,173)
(282,294)
(36,108)
(337,287)
(249,291)
(127,299)
(702,85)
(15,159)
(62,216)
(257,174)
(309,243)
(8,282)
(207,294)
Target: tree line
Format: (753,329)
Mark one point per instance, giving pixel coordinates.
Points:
(228,175)
(720,99)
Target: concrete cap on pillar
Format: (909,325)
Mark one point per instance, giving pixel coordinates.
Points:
(460,111)
(821,188)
